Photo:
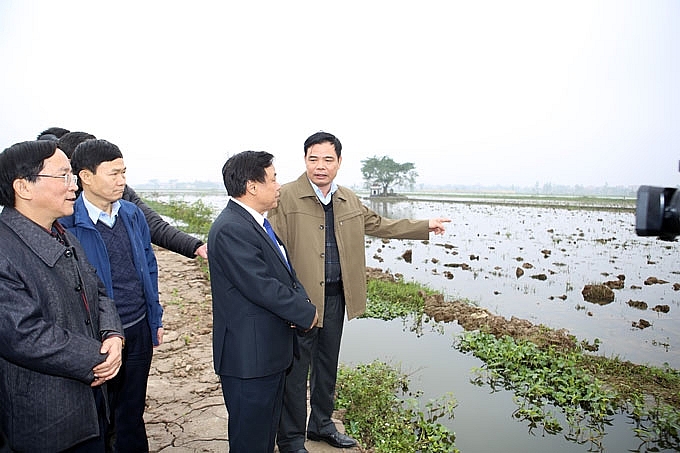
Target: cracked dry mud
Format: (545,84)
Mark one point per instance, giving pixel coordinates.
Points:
(184,409)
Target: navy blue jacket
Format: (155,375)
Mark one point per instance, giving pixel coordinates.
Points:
(132,217)
(256,298)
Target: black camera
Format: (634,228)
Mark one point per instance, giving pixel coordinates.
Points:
(657,212)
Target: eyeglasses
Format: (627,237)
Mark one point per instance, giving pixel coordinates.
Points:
(69,178)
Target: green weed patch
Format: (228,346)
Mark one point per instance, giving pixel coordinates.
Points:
(384,422)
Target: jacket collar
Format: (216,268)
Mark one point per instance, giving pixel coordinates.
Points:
(81,218)
(233,205)
(41,243)
(242,211)
(304,189)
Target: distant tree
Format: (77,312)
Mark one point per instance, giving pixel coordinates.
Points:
(386,172)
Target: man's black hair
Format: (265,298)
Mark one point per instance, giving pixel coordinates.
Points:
(91,153)
(323,137)
(52,133)
(243,167)
(69,141)
(23,160)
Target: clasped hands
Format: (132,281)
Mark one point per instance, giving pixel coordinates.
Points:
(108,369)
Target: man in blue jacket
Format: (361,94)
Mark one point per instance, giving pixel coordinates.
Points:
(116,239)
(162,233)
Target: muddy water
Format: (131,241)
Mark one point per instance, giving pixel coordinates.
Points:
(477,258)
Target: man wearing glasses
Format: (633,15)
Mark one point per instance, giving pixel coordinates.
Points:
(60,335)
(68,178)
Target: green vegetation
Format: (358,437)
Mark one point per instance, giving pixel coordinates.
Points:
(390,300)
(651,395)
(544,381)
(586,390)
(176,299)
(379,409)
(196,217)
(553,384)
(382,421)
(385,172)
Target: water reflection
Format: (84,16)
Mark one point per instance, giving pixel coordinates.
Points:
(392,209)
(382,207)
(483,418)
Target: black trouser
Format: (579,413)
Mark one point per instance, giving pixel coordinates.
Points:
(254,408)
(127,392)
(319,350)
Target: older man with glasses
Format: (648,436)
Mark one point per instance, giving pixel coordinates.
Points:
(69,178)
(61,338)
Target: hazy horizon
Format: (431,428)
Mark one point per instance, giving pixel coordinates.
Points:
(545,188)
(473,93)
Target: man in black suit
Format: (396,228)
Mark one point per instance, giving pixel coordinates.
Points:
(257,303)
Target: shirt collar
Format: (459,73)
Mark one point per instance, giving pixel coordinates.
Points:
(95,214)
(259,218)
(324,199)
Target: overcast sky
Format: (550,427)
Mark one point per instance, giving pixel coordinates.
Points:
(477,92)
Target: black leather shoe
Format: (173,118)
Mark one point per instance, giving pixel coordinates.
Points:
(336,439)
(302,450)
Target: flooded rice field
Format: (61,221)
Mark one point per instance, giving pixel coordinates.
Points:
(531,263)
(534,263)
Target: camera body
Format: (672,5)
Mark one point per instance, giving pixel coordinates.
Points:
(657,212)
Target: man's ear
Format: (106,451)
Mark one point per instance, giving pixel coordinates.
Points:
(85,176)
(23,189)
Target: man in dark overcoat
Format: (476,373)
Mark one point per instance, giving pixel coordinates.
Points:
(60,336)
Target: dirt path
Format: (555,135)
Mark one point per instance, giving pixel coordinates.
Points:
(185,410)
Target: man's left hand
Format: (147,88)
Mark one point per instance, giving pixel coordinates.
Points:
(436,226)
(108,369)
(202,251)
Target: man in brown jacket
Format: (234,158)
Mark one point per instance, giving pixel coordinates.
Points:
(323,227)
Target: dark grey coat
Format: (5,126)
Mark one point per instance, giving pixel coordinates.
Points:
(49,340)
